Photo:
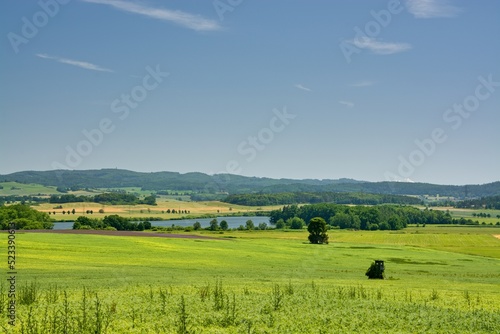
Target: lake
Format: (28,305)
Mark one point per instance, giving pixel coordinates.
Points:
(232,222)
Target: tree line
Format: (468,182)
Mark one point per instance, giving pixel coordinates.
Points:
(284,198)
(22,199)
(381,217)
(490,202)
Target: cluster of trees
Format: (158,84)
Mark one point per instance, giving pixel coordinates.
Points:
(24,217)
(214,225)
(383,217)
(318,197)
(114,198)
(223,225)
(70,198)
(317,228)
(491,202)
(112,222)
(294,223)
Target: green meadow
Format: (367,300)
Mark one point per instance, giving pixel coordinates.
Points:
(438,280)
(21,189)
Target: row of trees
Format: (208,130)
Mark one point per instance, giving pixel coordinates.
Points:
(24,217)
(483,215)
(318,197)
(176,211)
(89,212)
(115,222)
(223,225)
(384,217)
(491,202)
(112,222)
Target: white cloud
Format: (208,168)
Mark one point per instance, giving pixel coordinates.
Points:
(364,83)
(378,47)
(398,179)
(77,63)
(425,9)
(299,86)
(347,103)
(191,21)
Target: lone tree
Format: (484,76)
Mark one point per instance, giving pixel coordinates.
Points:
(249,225)
(224,225)
(295,223)
(214,225)
(317,231)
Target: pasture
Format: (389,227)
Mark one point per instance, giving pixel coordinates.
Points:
(21,189)
(438,279)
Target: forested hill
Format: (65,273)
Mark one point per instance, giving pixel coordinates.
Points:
(156,181)
(236,184)
(321,197)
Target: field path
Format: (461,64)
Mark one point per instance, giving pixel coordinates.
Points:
(125,234)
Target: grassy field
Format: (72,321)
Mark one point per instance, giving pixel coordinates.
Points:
(439,280)
(469,214)
(471,240)
(457,239)
(21,189)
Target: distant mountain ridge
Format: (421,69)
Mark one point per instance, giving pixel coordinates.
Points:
(237,184)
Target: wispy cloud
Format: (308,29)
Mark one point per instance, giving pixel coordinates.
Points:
(378,47)
(299,86)
(347,103)
(77,63)
(191,21)
(364,83)
(426,9)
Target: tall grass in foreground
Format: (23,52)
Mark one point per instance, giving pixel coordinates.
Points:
(272,308)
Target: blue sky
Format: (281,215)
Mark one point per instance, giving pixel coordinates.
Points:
(370,90)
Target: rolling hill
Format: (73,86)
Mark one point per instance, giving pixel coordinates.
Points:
(236,184)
